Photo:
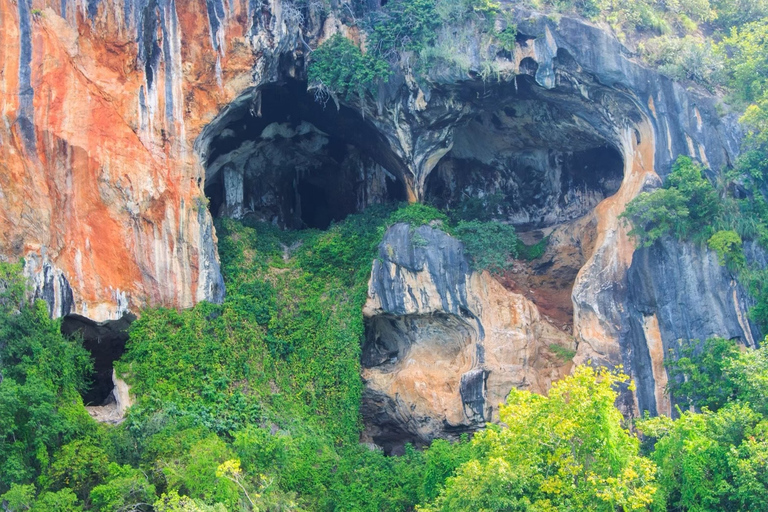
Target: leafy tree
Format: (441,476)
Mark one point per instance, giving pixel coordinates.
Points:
(340,66)
(698,376)
(173,502)
(711,461)
(719,372)
(686,206)
(656,214)
(42,375)
(64,500)
(18,498)
(79,466)
(124,488)
(728,246)
(747,66)
(567,451)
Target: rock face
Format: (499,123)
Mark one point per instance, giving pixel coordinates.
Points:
(126,125)
(444,344)
(677,292)
(99,184)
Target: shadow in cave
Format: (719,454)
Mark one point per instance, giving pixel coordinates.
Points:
(528,162)
(280,156)
(106,343)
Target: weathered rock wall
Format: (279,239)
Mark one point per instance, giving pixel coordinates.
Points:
(445,345)
(99,185)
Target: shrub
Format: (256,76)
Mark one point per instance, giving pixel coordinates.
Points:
(567,451)
(489,245)
(728,246)
(686,207)
(340,66)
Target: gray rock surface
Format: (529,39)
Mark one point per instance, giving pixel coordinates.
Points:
(691,297)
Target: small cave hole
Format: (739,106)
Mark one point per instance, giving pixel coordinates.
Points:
(106,343)
(528,66)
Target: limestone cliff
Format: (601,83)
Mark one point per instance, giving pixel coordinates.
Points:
(128,125)
(445,344)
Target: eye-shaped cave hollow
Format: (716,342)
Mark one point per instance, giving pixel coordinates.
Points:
(280,156)
(530,161)
(106,343)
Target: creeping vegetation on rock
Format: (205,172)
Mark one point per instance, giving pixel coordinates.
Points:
(339,66)
(490,245)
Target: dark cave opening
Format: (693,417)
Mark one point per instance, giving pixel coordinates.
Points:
(526,167)
(280,156)
(106,343)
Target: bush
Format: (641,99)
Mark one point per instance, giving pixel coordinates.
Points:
(686,207)
(728,246)
(42,375)
(340,66)
(567,451)
(489,245)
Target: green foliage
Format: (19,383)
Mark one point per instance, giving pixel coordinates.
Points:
(534,251)
(736,13)
(42,375)
(656,214)
(747,67)
(712,461)
(173,502)
(686,207)
(418,214)
(64,500)
(687,58)
(697,376)
(567,451)
(79,466)
(125,488)
(564,353)
(403,26)
(340,66)
(18,498)
(507,36)
(489,245)
(728,246)
(718,372)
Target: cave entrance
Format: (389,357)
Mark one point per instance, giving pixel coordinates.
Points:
(279,156)
(530,163)
(106,343)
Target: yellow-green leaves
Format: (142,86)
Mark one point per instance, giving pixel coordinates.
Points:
(567,451)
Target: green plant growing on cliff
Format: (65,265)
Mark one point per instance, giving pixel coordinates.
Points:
(718,372)
(711,461)
(698,375)
(418,214)
(339,66)
(564,353)
(714,460)
(685,207)
(489,245)
(507,36)
(728,246)
(42,375)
